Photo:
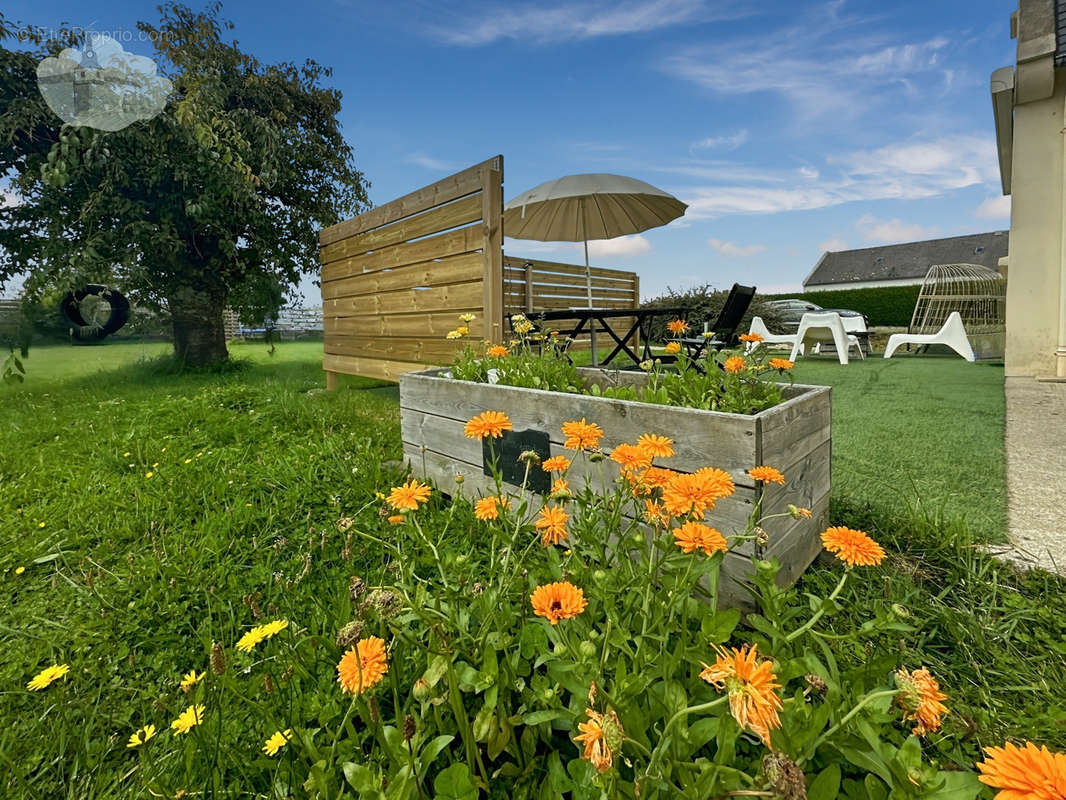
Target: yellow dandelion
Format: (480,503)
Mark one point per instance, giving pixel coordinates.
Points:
(188,719)
(277,741)
(190,679)
(19,570)
(141,736)
(47,676)
(147,475)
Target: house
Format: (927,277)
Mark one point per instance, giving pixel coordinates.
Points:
(903,264)
(1028,103)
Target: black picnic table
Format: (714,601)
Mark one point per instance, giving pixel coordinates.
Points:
(592,320)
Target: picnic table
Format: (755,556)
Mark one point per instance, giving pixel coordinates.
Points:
(606,319)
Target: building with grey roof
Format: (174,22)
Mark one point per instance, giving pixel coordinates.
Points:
(903,264)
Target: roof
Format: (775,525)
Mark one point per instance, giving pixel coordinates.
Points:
(907,261)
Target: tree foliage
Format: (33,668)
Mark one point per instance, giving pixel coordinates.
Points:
(217,200)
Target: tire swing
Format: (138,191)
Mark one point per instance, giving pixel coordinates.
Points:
(98,319)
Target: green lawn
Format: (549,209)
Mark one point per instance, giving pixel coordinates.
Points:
(130,578)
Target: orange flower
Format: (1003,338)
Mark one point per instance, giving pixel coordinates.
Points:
(489,507)
(630,457)
(552,525)
(750,337)
(396,519)
(752,685)
(693,536)
(488,423)
(677,327)
(697,492)
(560,489)
(735,364)
(601,736)
(854,548)
(408,496)
(656,446)
(673,348)
(363,666)
(581,435)
(919,697)
(555,464)
(766,475)
(781,363)
(655,514)
(1024,773)
(498,351)
(657,477)
(556,601)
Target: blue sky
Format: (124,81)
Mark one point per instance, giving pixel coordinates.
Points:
(788,128)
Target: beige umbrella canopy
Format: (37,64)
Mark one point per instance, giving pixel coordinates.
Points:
(576,208)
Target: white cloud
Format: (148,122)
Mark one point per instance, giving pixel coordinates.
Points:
(734,250)
(8,199)
(892,231)
(429,162)
(834,244)
(908,170)
(532,22)
(634,245)
(729,141)
(826,65)
(994,208)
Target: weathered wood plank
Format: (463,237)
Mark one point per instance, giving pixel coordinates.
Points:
(420,350)
(435,298)
(382,369)
(453,187)
(560,279)
(567,269)
(433,324)
(451,243)
(439,218)
(799,423)
(453,269)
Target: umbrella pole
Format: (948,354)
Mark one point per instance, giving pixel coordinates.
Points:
(588,289)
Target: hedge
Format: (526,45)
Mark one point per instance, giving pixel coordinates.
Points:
(883,305)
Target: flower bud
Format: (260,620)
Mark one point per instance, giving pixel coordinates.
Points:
(459,478)
(587,649)
(531,457)
(422,690)
(762,538)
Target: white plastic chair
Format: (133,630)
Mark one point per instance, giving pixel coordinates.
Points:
(824,326)
(953,334)
(759,327)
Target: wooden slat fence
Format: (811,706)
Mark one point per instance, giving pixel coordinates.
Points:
(534,285)
(396,278)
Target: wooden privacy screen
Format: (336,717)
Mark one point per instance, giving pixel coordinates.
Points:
(396,279)
(532,285)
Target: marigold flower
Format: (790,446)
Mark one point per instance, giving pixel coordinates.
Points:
(646,365)
(466,317)
(408,496)
(560,489)
(277,741)
(555,464)
(696,492)
(363,666)
(601,736)
(190,679)
(799,513)
(693,536)
(919,697)
(854,548)
(656,446)
(141,736)
(677,326)
(552,525)
(489,507)
(1024,773)
(395,519)
(750,337)
(735,364)
(630,457)
(655,513)
(47,676)
(673,348)
(498,351)
(556,601)
(581,435)
(488,423)
(766,474)
(453,335)
(751,684)
(780,363)
(657,477)
(188,719)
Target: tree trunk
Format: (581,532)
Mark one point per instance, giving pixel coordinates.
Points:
(199,333)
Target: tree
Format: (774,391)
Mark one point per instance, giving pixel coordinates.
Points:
(215,201)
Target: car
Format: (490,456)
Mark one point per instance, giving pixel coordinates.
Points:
(789,312)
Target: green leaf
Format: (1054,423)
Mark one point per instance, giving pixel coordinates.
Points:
(361,778)
(431,751)
(718,627)
(537,717)
(826,786)
(455,783)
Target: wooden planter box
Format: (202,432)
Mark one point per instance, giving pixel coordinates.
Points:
(795,437)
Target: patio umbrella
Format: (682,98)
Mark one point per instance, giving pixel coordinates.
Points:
(577,208)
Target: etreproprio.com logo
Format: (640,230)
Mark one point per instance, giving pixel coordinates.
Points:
(101,85)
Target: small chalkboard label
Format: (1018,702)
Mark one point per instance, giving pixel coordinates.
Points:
(505,452)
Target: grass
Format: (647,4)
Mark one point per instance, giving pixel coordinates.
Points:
(130,578)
